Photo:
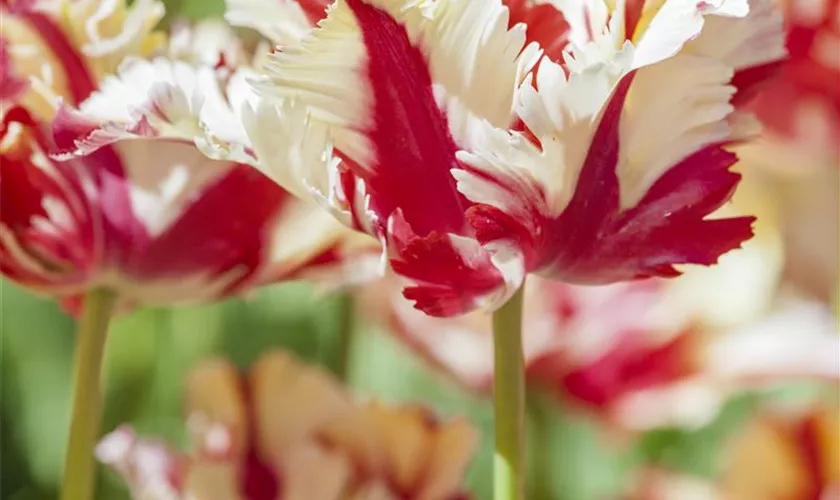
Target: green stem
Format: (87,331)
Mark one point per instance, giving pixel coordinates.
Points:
(91,333)
(509,401)
(346,329)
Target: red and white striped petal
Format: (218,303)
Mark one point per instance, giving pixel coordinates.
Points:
(612,159)
(401,86)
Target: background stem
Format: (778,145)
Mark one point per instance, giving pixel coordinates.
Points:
(509,401)
(346,327)
(91,333)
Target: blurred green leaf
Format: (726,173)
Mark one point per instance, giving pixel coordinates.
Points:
(697,451)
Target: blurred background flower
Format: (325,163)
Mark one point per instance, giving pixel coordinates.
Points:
(745,351)
(289,431)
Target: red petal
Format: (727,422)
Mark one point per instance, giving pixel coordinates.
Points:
(413,149)
(593,242)
(315,10)
(749,81)
(630,364)
(448,283)
(218,232)
(803,76)
(65,248)
(546,25)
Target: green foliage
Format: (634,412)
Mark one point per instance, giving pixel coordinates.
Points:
(697,451)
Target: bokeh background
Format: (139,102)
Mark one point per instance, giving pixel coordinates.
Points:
(150,351)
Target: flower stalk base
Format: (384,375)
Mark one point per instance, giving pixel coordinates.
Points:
(509,401)
(91,334)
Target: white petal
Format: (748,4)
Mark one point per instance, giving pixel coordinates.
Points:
(741,41)
(471,53)
(562,114)
(293,149)
(281,21)
(677,22)
(673,109)
(179,100)
(109,31)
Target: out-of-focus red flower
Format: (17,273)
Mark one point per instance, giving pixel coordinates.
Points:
(480,143)
(800,107)
(114,191)
(287,431)
(639,355)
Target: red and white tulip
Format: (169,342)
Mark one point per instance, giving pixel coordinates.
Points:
(111,189)
(800,107)
(478,147)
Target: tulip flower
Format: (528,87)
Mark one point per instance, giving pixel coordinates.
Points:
(288,431)
(797,158)
(800,107)
(106,199)
(444,131)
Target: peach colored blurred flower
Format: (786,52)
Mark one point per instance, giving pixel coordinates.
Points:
(780,455)
(289,431)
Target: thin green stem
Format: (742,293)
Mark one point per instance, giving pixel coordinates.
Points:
(509,401)
(91,333)
(346,330)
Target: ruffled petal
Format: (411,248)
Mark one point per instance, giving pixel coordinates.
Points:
(283,22)
(170,99)
(394,149)
(638,213)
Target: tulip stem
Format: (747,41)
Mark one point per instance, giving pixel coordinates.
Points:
(91,333)
(509,401)
(346,330)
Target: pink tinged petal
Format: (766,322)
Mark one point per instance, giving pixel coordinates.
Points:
(150,469)
(800,340)
(76,135)
(82,143)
